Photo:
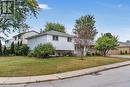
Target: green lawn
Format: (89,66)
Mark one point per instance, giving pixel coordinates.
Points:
(25,66)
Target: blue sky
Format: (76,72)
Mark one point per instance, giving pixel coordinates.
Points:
(111,15)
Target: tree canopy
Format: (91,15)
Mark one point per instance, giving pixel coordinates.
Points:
(106,42)
(17,20)
(85,31)
(85,27)
(54,26)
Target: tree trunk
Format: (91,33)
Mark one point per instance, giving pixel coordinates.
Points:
(104,53)
(82,53)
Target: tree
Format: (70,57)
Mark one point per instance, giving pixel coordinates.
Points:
(54,26)
(2,38)
(21,43)
(17,49)
(12,48)
(106,43)
(18,44)
(0,48)
(5,51)
(128,41)
(85,32)
(43,50)
(16,20)
(108,35)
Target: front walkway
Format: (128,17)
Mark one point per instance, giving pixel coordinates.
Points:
(33,79)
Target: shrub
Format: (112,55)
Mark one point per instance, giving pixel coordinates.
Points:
(24,50)
(17,50)
(43,50)
(31,54)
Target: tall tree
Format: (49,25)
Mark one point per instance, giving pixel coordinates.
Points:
(54,26)
(105,43)
(108,35)
(17,49)
(21,42)
(127,41)
(12,49)
(17,20)
(5,51)
(85,32)
(0,48)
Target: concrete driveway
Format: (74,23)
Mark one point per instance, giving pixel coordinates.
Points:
(120,56)
(119,77)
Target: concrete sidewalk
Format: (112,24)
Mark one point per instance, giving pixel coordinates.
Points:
(33,79)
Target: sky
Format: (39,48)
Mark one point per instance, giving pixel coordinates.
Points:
(110,15)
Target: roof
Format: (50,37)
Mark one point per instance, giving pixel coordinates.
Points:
(125,43)
(25,32)
(52,33)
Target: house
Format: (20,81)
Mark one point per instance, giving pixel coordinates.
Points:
(86,50)
(123,48)
(62,42)
(21,37)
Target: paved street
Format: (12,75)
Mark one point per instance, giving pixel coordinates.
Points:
(112,78)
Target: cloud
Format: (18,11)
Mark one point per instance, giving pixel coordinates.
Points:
(44,7)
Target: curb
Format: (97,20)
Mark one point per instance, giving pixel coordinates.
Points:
(59,76)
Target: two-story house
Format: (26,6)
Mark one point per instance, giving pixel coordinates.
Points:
(62,42)
(21,37)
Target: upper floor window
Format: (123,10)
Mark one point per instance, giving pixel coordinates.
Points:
(69,39)
(56,38)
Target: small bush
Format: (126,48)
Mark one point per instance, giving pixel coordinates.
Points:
(30,54)
(24,50)
(43,50)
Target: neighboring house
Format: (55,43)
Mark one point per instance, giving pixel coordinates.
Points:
(62,42)
(123,48)
(21,37)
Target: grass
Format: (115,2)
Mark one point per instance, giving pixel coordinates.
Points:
(25,66)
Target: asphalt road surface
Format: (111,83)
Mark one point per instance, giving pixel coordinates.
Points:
(119,77)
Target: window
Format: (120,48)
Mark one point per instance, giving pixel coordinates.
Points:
(55,38)
(69,39)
